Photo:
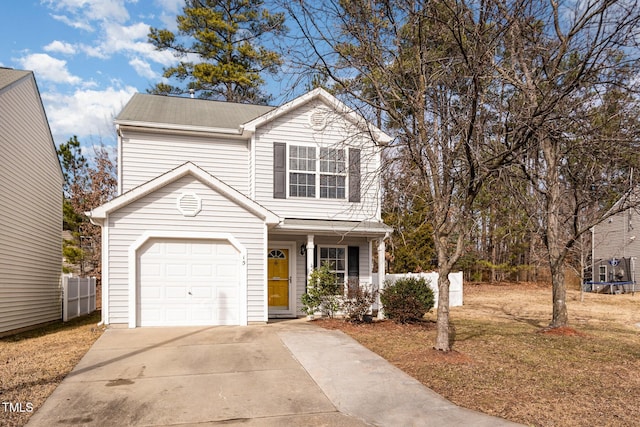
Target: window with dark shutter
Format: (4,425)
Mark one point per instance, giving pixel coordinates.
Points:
(279,170)
(354,175)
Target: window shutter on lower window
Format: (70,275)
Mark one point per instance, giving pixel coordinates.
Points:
(354,175)
(279,170)
(353,262)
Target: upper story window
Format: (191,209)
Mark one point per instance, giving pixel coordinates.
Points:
(302,175)
(332,173)
(316,172)
(309,171)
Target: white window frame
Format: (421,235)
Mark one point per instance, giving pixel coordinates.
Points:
(602,272)
(336,169)
(344,272)
(339,171)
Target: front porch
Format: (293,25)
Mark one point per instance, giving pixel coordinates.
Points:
(296,247)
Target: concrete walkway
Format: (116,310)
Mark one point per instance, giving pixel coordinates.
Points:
(282,374)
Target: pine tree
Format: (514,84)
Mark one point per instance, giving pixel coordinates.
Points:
(220,44)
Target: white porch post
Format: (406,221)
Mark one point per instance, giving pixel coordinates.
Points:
(310,253)
(381,273)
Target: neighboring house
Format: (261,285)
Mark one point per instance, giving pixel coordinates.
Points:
(225,208)
(615,249)
(30,207)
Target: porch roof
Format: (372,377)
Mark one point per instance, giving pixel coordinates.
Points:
(325,227)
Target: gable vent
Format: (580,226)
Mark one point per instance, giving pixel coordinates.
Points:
(318,119)
(189,204)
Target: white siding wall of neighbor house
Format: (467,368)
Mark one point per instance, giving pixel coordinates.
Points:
(295,128)
(30,211)
(158,211)
(618,237)
(146,156)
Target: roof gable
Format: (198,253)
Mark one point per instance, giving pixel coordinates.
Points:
(100,213)
(329,100)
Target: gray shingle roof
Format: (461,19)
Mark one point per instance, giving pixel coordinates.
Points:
(9,75)
(176,110)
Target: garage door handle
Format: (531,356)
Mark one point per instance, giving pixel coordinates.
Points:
(190,293)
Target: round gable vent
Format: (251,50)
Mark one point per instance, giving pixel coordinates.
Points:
(318,119)
(189,204)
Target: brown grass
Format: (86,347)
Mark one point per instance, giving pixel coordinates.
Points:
(33,363)
(504,363)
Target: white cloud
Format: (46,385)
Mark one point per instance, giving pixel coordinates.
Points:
(170,9)
(73,23)
(127,39)
(85,113)
(60,47)
(78,13)
(143,69)
(48,68)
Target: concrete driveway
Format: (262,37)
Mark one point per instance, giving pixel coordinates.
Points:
(282,374)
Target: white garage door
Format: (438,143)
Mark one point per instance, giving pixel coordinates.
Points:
(188,283)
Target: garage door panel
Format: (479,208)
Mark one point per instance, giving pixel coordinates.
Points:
(204,292)
(177,314)
(202,271)
(223,250)
(188,282)
(152,316)
(149,269)
(151,292)
(175,248)
(202,249)
(176,292)
(176,270)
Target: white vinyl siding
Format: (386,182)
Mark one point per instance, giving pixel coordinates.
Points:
(294,129)
(147,156)
(30,211)
(158,211)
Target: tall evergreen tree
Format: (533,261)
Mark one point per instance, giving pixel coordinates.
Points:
(221,48)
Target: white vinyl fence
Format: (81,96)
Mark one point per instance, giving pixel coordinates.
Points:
(78,296)
(455,287)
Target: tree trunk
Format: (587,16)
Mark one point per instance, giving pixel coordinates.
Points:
(445,263)
(556,256)
(443,342)
(560,315)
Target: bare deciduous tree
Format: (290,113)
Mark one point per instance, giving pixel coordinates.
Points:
(472,88)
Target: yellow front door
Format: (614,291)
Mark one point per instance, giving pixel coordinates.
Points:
(278,274)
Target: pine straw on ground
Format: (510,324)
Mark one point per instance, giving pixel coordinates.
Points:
(505,362)
(33,363)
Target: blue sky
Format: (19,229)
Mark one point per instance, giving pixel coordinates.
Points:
(89,57)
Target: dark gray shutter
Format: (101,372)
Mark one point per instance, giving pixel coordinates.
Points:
(354,175)
(353,271)
(353,262)
(315,257)
(279,170)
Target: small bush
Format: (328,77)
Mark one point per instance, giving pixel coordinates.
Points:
(358,302)
(323,292)
(407,299)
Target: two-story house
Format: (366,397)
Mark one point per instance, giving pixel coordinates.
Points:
(225,208)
